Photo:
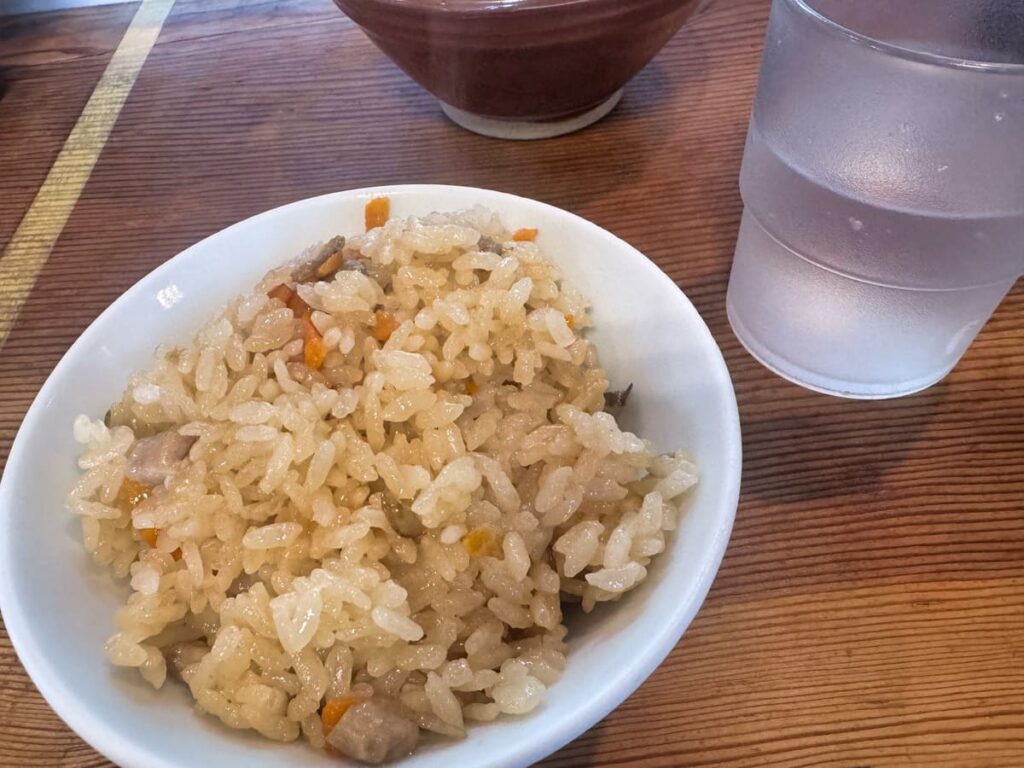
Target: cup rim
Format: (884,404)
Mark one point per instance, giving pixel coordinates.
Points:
(892,49)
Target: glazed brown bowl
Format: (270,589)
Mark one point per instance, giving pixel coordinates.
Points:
(521,61)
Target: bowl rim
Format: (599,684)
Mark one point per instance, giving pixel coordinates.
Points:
(469,25)
(106,738)
(502,7)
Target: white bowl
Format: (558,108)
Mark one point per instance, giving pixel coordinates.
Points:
(58,605)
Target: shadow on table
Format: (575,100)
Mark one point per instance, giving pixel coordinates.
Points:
(833,448)
(654,90)
(615,153)
(574,170)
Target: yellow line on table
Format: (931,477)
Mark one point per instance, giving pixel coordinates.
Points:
(33,240)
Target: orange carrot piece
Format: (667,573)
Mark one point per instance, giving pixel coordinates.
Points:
(297,305)
(149,535)
(282,293)
(377,212)
(481,541)
(526,235)
(472,387)
(333,711)
(570,320)
(289,298)
(314,351)
(384,324)
(131,493)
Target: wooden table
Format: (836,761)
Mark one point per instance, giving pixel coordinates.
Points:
(870,609)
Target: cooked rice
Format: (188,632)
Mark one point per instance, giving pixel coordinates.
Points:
(408,520)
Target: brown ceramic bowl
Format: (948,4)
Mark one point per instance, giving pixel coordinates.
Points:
(521,68)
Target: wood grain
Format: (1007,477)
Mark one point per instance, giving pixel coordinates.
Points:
(49,64)
(870,609)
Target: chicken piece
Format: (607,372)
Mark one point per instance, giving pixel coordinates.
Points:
(309,270)
(374,731)
(152,459)
(490,245)
(616,401)
(330,259)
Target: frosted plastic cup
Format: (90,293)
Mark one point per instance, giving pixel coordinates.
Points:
(883,190)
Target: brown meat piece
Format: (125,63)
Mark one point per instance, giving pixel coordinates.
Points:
(308,271)
(374,731)
(330,259)
(616,401)
(490,245)
(152,459)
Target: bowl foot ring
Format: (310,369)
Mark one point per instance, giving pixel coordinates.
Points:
(524,130)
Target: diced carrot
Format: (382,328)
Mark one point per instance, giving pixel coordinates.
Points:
(131,493)
(377,212)
(313,348)
(314,352)
(384,324)
(481,541)
(333,711)
(282,293)
(570,320)
(471,386)
(289,298)
(525,235)
(297,305)
(149,535)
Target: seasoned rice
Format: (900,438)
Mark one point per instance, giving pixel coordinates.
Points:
(406,520)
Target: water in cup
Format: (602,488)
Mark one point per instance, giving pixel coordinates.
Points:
(883,187)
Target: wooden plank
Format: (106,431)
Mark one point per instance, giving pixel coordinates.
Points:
(30,245)
(39,39)
(870,610)
(49,69)
(208,19)
(831,677)
(21,7)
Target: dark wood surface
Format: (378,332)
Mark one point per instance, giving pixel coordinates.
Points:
(870,609)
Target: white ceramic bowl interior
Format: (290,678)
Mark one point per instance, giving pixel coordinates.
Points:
(58,606)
